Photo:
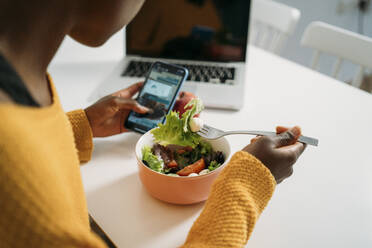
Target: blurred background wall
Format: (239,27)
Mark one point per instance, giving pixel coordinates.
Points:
(342,13)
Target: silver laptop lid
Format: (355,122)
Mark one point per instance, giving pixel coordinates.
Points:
(200,30)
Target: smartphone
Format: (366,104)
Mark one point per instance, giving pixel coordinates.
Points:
(158,93)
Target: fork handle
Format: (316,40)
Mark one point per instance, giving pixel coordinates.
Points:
(302,139)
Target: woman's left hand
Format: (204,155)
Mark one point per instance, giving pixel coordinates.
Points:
(107,115)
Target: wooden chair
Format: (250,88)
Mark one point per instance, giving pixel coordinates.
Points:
(271,24)
(341,43)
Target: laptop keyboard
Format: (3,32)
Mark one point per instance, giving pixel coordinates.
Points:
(197,73)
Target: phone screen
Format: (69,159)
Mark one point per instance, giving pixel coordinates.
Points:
(158,94)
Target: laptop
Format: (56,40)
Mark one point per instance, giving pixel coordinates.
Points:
(208,37)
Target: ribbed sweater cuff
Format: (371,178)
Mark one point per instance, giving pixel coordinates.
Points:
(247,169)
(237,198)
(83,134)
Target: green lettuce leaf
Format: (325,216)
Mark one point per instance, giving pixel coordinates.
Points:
(213,165)
(171,133)
(151,160)
(197,107)
(205,148)
(176,131)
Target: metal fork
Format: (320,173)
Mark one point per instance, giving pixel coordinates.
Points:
(212,133)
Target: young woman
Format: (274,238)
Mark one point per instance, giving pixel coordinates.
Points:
(41,195)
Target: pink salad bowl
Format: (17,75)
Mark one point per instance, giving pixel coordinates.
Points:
(178,190)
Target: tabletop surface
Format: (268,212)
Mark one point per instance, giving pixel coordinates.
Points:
(326,203)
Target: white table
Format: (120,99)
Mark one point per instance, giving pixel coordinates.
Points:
(326,203)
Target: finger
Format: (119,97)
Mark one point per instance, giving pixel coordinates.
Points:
(292,152)
(182,94)
(281,129)
(298,148)
(129,104)
(288,137)
(130,91)
(255,139)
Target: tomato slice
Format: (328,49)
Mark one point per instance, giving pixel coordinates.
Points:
(172,164)
(196,167)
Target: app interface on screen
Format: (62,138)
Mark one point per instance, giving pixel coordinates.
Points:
(157,94)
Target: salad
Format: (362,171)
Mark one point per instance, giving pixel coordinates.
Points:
(178,149)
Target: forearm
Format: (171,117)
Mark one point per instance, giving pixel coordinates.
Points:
(82,134)
(237,198)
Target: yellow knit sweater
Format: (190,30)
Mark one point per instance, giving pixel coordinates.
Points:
(42,200)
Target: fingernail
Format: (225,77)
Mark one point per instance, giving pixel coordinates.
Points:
(296,131)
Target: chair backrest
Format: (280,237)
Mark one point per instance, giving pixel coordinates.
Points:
(271,24)
(341,43)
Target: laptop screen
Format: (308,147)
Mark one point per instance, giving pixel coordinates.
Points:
(202,30)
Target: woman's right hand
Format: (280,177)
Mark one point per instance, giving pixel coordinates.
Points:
(278,153)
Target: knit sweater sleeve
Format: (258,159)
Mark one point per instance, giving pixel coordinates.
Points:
(82,133)
(237,198)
